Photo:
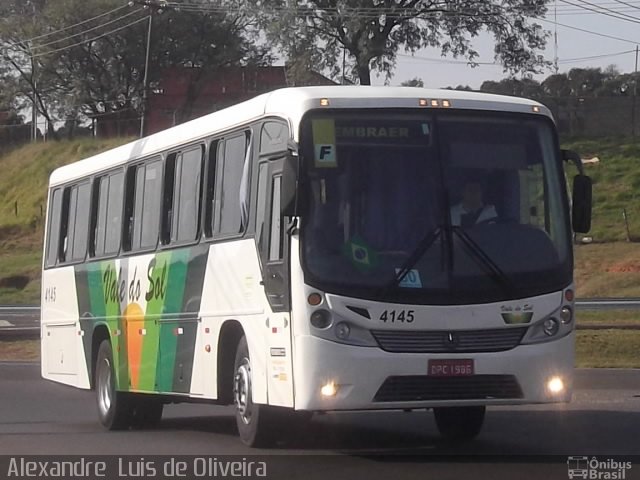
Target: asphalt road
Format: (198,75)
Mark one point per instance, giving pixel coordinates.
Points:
(41,417)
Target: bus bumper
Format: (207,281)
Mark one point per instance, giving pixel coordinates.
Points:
(368,378)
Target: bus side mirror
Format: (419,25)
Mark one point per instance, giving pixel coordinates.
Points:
(288,194)
(581,204)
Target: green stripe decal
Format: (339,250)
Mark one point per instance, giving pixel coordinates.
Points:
(172,287)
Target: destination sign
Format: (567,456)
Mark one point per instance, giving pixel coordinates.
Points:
(379,131)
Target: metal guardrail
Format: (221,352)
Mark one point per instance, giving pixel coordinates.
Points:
(23,321)
(19,321)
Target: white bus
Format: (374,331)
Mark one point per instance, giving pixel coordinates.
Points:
(319,249)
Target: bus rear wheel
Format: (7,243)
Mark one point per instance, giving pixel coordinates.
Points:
(114,408)
(459,423)
(254,421)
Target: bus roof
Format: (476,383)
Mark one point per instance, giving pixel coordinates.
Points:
(290,104)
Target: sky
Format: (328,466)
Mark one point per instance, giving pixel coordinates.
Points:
(573,46)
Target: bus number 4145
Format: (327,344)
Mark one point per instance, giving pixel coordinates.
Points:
(397,316)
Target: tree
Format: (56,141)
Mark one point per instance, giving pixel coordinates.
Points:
(414,82)
(556,85)
(525,87)
(81,58)
(370,33)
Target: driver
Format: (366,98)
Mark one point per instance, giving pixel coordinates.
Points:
(472,210)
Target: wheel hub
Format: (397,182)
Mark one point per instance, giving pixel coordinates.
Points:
(242,391)
(104,386)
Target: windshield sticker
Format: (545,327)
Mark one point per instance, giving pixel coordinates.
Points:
(411,279)
(363,257)
(324,143)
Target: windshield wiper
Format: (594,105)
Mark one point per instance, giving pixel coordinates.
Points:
(414,258)
(483,260)
(476,252)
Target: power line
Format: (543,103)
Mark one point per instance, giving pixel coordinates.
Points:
(447,61)
(634,42)
(144,19)
(37,47)
(627,4)
(606,11)
(77,24)
(594,57)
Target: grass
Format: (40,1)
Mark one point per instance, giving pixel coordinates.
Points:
(26,171)
(20,350)
(608,349)
(616,185)
(607,270)
(608,317)
(23,190)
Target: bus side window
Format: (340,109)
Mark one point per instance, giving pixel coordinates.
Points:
(81,228)
(210,205)
(235,150)
(130,185)
(186,221)
(275,239)
(75,221)
(142,207)
(263,171)
(114,213)
(171,170)
(106,215)
(53,232)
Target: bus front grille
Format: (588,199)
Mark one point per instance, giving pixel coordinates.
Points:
(449,341)
(415,388)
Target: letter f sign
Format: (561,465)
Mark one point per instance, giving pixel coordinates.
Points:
(325,155)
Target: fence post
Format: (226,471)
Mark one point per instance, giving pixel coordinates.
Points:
(626,223)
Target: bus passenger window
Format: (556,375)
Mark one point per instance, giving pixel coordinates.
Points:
(275,240)
(75,222)
(210,206)
(53,230)
(106,215)
(81,222)
(230,208)
(142,208)
(186,225)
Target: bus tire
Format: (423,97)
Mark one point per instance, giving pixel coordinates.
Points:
(147,411)
(254,421)
(114,408)
(459,423)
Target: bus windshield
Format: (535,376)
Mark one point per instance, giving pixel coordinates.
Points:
(434,207)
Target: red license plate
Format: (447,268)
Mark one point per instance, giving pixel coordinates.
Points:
(451,368)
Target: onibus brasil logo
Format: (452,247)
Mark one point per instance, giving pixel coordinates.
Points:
(590,468)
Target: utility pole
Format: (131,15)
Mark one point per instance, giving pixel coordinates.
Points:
(555,38)
(153,6)
(635,93)
(145,82)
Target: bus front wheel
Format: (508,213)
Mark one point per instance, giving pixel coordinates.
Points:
(114,408)
(253,420)
(459,423)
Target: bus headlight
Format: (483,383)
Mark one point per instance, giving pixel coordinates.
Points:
(555,385)
(330,326)
(321,319)
(343,330)
(550,327)
(566,315)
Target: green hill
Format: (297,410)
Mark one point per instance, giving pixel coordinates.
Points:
(616,185)
(610,266)
(24,174)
